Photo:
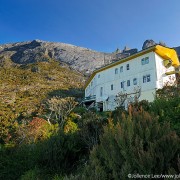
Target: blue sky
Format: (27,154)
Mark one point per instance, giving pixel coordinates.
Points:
(102,25)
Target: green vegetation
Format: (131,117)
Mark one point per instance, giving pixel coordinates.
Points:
(25,89)
(137,143)
(44,136)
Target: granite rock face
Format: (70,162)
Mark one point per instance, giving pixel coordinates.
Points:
(81,59)
(177,51)
(125,53)
(148,43)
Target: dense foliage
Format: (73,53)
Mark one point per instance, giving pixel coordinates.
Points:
(25,88)
(137,143)
(44,136)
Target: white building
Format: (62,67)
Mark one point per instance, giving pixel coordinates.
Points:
(137,75)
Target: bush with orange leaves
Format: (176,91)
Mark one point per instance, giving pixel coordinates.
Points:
(36,130)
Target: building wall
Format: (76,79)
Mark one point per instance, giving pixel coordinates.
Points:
(162,78)
(150,76)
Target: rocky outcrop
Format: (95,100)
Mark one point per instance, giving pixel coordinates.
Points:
(125,52)
(178,51)
(81,59)
(162,43)
(148,43)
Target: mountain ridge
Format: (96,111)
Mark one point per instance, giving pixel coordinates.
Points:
(81,59)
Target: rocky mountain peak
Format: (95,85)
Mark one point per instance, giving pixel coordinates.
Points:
(78,58)
(126,48)
(148,43)
(162,43)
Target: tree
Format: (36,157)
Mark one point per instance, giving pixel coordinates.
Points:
(60,108)
(122,97)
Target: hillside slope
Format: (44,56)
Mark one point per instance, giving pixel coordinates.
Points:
(25,88)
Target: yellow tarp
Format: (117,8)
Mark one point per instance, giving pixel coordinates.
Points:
(168,54)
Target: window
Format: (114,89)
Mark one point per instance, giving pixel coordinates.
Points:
(116,71)
(128,82)
(101,91)
(121,69)
(145,61)
(111,87)
(135,81)
(144,79)
(98,75)
(122,84)
(147,78)
(127,67)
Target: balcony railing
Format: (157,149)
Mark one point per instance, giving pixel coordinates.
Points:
(90,98)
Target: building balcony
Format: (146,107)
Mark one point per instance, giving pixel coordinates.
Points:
(90,98)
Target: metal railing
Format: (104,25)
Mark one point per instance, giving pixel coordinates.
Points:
(89,98)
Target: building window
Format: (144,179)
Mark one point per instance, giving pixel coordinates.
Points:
(135,81)
(146,78)
(127,67)
(116,71)
(145,61)
(101,91)
(122,84)
(98,75)
(121,69)
(128,82)
(111,87)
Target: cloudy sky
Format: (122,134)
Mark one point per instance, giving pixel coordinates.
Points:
(101,25)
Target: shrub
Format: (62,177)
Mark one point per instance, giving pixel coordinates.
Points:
(16,161)
(91,127)
(36,130)
(31,174)
(167,110)
(80,110)
(61,153)
(167,105)
(137,144)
